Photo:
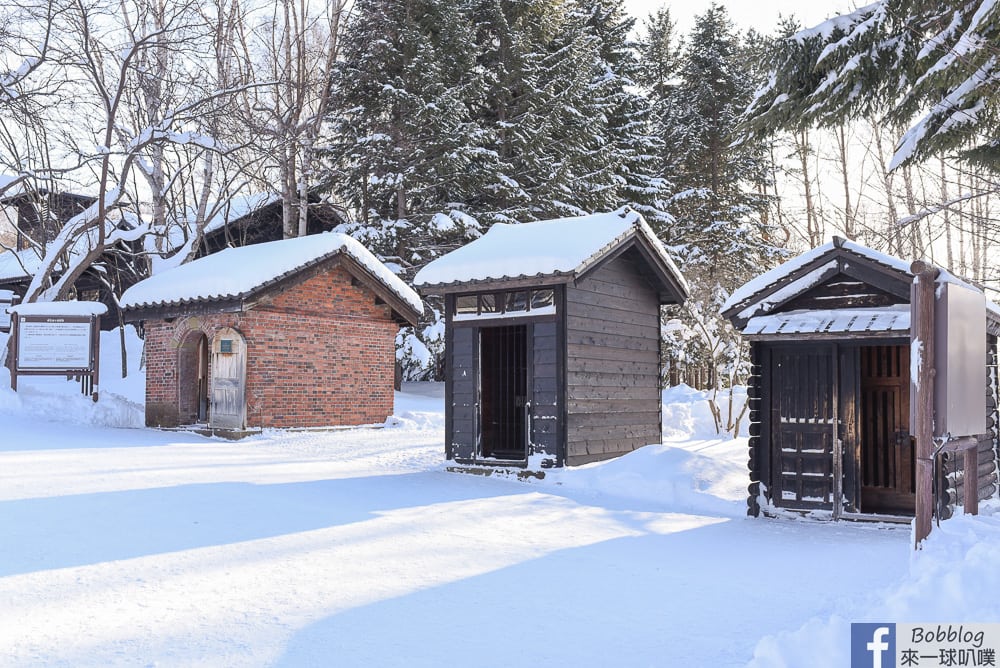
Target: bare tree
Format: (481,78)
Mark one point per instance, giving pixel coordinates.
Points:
(294,51)
(134,116)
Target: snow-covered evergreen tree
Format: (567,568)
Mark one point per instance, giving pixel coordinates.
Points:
(716,204)
(455,114)
(632,157)
(930,66)
(407,155)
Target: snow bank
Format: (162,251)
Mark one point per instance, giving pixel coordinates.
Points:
(669,477)
(694,470)
(419,405)
(954,578)
(687,415)
(55,399)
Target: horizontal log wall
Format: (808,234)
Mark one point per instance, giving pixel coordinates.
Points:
(953,479)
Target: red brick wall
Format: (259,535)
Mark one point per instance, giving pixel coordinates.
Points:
(321,353)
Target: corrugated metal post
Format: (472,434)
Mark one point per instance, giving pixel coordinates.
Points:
(922,391)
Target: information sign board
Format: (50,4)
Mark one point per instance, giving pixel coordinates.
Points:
(50,343)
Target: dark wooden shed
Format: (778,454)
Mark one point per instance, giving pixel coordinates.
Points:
(830,388)
(552,340)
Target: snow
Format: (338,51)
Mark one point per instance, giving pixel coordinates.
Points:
(132,546)
(743,295)
(543,248)
(74,308)
(895,318)
(843,22)
(235,272)
(235,208)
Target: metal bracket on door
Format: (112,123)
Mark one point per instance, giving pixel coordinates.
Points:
(527,429)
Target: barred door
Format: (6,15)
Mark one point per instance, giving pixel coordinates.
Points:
(887,454)
(503,388)
(802,421)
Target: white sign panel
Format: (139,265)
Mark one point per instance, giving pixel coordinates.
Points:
(53,344)
(960,360)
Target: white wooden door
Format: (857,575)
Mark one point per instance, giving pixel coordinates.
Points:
(228,380)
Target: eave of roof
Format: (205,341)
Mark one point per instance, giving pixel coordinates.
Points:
(636,233)
(154,294)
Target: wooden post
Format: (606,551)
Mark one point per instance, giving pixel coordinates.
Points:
(12,351)
(922,391)
(95,356)
(971,505)
(968,447)
(838,445)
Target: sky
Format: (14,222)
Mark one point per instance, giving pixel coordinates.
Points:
(760,14)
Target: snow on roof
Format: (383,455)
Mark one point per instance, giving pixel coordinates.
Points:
(236,208)
(894,318)
(16,265)
(60,308)
(779,296)
(236,272)
(543,248)
(769,278)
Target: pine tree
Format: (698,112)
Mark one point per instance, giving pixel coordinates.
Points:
(659,55)
(406,152)
(932,66)
(632,158)
(537,106)
(716,203)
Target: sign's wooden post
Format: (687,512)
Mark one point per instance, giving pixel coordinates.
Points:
(12,352)
(922,391)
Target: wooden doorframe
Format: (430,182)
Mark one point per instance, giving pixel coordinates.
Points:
(203,351)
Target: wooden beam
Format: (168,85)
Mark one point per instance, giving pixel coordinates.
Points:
(969,447)
(838,445)
(922,344)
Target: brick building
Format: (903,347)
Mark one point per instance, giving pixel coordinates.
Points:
(293,333)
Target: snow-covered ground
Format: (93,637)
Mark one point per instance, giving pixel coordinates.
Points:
(128,546)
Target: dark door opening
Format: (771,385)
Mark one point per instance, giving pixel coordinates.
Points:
(887,461)
(503,388)
(202,378)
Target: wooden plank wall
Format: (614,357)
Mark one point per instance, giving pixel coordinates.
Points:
(612,363)
(546,430)
(842,292)
(462,365)
(757,443)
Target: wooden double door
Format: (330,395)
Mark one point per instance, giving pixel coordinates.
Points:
(839,419)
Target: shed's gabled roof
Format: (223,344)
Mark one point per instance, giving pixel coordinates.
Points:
(239,274)
(562,249)
(756,307)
